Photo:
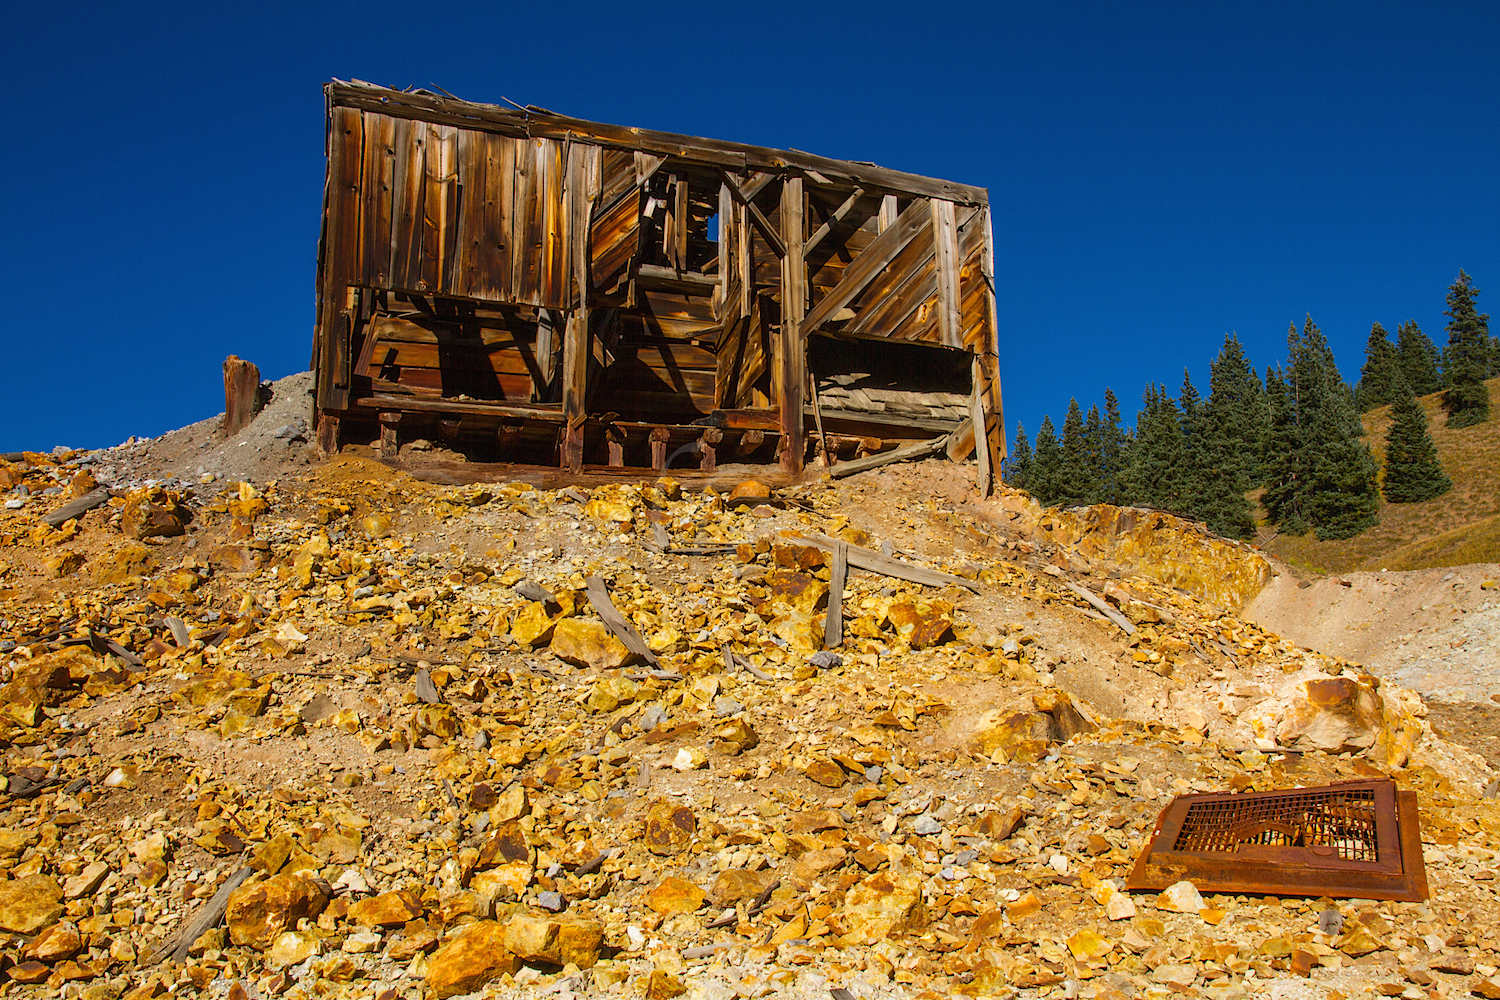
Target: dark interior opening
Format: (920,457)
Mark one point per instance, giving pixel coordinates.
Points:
(902,365)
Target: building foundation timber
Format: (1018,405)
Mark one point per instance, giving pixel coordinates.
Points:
(540,290)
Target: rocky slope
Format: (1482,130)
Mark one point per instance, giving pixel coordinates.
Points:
(386,724)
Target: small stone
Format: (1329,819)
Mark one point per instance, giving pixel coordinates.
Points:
(292,948)
(881,904)
(1119,907)
(552,902)
(361,942)
(554,940)
(57,942)
(735,737)
(733,885)
(690,759)
(925,825)
(1358,941)
(1087,946)
(1455,963)
(827,773)
(1303,962)
(1178,977)
(86,881)
(1180,897)
(1489,988)
(662,985)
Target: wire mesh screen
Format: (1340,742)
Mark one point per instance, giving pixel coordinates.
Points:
(1341,819)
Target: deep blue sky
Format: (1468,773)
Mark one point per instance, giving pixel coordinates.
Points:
(1160,173)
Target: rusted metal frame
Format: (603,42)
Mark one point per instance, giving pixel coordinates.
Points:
(833,220)
(1253,866)
(882,250)
(757,217)
(791,366)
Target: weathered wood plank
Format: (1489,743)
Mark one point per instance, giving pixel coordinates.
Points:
(617,623)
(874,562)
(77,508)
(945,241)
(791,369)
(903,454)
(340,264)
(833,220)
(757,217)
(833,622)
(378,188)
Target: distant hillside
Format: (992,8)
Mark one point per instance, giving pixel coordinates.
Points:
(1461,526)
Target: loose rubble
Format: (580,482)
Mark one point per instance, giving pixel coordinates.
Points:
(396,705)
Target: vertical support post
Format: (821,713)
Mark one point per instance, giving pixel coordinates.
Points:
(328,435)
(708,459)
(389,442)
(833,621)
(659,438)
(615,438)
(575,379)
(945,241)
(546,350)
(888,213)
(678,253)
(981,433)
(791,370)
(241,387)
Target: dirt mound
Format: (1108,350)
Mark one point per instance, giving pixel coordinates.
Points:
(588,742)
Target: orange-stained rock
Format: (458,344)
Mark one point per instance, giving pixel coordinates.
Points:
(802,591)
(389,909)
(506,843)
(258,913)
(825,772)
(794,556)
(29,904)
(881,904)
(736,884)
(588,644)
(669,827)
(922,623)
(1336,714)
(549,939)
(470,958)
(674,895)
(59,941)
(1023,736)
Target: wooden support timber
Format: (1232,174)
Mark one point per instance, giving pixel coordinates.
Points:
(535,289)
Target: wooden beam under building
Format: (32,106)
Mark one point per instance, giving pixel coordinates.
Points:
(791,368)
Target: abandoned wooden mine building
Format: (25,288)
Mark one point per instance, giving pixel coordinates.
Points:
(533,288)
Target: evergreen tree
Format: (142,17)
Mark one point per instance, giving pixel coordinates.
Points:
(1113,452)
(1412,472)
(1377,376)
(1152,479)
(1237,417)
(1467,399)
(1072,485)
(1213,481)
(1285,465)
(1325,474)
(1418,359)
(1093,447)
(1046,464)
(1018,465)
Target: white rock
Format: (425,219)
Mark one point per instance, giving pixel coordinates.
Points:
(1180,897)
(1119,907)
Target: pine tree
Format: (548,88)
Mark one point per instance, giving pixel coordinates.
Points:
(1213,480)
(1073,483)
(1152,479)
(1046,464)
(1285,466)
(1113,452)
(1412,471)
(1418,358)
(1018,465)
(1467,399)
(1378,374)
(1237,416)
(1325,474)
(1093,448)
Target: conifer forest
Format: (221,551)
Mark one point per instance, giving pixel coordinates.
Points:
(1293,433)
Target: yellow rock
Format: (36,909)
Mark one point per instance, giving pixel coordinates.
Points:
(826,772)
(662,985)
(1088,946)
(554,940)
(29,904)
(921,623)
(292,947)
(588,644)
(881,904)
(57,942)
(669,827)
(736,884)
(675,895)
(512,803)
(473,956)
(532,625)
(1022,736)
(507,881)
(258,913)
(127,562)
(389,909)
(802,592)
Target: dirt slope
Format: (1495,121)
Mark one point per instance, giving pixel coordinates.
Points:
(445,780)
(1460,527)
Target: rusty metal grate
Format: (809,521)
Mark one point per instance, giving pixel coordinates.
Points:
(1341,822)
(1359,839)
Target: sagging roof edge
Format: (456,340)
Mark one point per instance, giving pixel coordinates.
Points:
(730,155)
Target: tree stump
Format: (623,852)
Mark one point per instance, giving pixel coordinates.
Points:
(241,394)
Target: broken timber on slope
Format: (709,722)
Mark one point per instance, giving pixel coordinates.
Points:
(537,289)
